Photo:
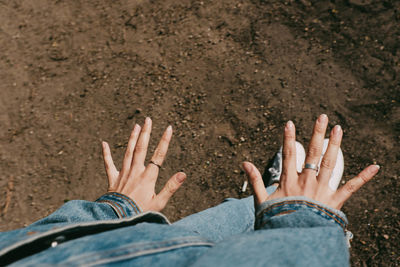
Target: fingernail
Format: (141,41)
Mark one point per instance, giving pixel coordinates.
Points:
(103,143)
(377,167)
(322,118)
(136,128)
(336,129)
(247,167)
(169,128)
(147,120)
(180,177)
(289,125)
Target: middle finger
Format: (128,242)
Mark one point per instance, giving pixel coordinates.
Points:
(329,160)
(159,154)
(142,144)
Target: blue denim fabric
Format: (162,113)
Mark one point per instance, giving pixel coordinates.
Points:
(113,231)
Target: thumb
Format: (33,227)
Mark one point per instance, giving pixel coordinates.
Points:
(111,170)
(170,188)
(255,179)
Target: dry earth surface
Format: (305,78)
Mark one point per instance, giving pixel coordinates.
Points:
(226,75)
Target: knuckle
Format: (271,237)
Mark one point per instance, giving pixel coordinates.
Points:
(288,152)
(314,151)
(129,150)
(132,137)
(254,177)
(327,164)
(351,187)
(140,148)
(289,135)
(170,188)
(159,154)
(254,180)
(363,177)
(319,128)
(165,139)
(334,142)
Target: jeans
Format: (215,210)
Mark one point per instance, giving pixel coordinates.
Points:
(231,217)
(293,231)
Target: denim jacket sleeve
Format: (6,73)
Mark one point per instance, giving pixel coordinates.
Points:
(305,212)
(75,219)
(292,231)
(299,212)
(109,206)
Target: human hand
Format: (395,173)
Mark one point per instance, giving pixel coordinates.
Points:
(308,183)
(136,180)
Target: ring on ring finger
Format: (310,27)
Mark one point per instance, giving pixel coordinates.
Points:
(311,167)
(158,165)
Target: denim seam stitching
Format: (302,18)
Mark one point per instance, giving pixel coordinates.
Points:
(122,209)
(112,204)
(299,202)
(33,238)
(165,243)
(130,201)
(148,252)
(308,204)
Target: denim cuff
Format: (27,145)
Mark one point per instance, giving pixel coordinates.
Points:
(122,205)
(304,212)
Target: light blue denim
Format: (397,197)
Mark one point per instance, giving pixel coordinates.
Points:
(293,231)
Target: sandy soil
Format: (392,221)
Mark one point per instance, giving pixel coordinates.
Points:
(226,75)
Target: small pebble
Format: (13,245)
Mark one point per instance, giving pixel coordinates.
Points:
(244,187)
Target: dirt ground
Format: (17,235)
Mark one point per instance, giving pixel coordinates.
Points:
(226,74)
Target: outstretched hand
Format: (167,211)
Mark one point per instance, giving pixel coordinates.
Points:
(308,183)
(136,180)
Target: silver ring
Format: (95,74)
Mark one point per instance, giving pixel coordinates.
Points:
(158,165)
(311,166)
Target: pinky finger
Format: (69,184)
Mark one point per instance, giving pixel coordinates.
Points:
(352,186)
(111,170)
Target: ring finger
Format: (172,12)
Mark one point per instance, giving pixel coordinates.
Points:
(159,154)
(316,144)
